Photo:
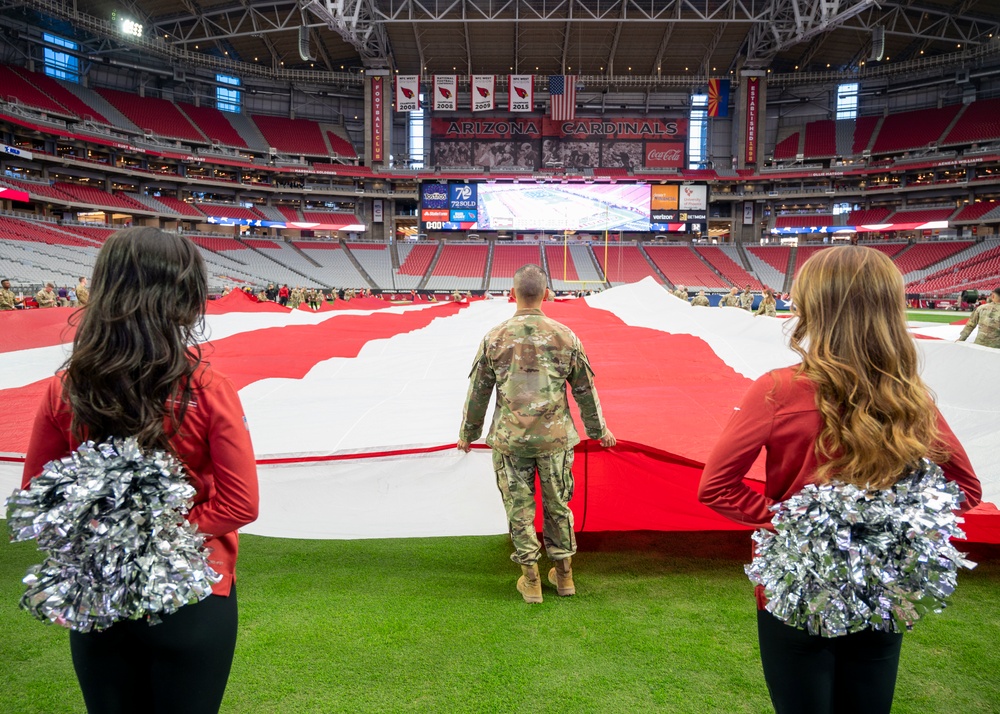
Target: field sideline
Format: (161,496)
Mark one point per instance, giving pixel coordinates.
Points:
(662,622)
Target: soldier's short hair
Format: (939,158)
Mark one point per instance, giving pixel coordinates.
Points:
(530,282)
(49,285)
(996,290)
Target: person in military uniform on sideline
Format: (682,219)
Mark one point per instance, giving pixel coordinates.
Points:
(731,299)
(82,293)
(746,299)
(700,300)
(681,292)
(8,300)
(987,319)
(46,297)
(768,305)
(529,359)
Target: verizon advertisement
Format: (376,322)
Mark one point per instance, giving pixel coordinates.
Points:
(541,142)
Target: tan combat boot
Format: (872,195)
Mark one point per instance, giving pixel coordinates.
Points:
(562,577)
(530,584)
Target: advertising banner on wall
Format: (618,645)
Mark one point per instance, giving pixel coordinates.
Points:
(665,155)
(748,213)
(377,210)
(463,202)
(752,113)
(482,91)
(537,142)
(378,107)
(434,196)
(692,203)
(407,92)
(445,92)
(522,92)
(663,204)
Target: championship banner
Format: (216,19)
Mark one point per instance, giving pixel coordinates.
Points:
(445,92)
(481,92)
(407,92)
(752,110)
(522,92)
(378,105)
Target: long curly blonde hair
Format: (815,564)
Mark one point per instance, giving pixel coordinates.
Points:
(879,417)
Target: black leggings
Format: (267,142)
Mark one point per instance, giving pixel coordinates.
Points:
(178,666)
(806,673)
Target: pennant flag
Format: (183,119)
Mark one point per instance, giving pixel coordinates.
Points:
(522,92)
(562,97)
(407,92)
(482,91)
(382,463)
(445,92)
(718,97)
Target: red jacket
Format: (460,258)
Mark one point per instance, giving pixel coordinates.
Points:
(214,445)
(779,414)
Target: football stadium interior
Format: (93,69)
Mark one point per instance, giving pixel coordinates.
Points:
(416,154)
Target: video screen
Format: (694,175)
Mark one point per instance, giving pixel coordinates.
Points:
(587,207)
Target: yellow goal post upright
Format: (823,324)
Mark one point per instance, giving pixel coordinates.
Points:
(584,283)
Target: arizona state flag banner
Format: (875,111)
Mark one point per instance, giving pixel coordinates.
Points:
(482,91)
(445,92)
(407,92)
(522,92)
(718,97)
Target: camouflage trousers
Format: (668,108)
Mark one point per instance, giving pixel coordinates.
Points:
(516,481)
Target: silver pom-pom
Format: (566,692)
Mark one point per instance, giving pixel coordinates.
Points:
(843,559)
(112,520)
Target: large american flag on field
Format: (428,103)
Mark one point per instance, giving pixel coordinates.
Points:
(354,410)
(562,96)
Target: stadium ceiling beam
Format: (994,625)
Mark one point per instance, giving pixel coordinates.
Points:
(356,22)
(565,45)
(574,11)
(420,48)
(941,24)
(664,41)
(917,46)
(617,36)
(790,22)
(706,61)
(468,50)
(252,19)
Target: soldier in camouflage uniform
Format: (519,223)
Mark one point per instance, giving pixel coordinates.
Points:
(700,300)
(8,300)
(529,359)
(680,292)
(768,305)
(46,297)
(746,299)
(987,318)
(732,299)
(82,292)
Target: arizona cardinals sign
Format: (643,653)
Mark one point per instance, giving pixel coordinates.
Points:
(482,92)
(445,92)
(522,92)
(407,92)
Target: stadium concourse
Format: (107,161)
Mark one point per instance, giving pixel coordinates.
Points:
(354,410)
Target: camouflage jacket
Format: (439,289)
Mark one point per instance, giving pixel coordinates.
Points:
(987,318)
(82,294)
(700,301)
(746,300)
(45,299)
(767,308)
(530,359)
(7,299)
(682,294)
(729,300)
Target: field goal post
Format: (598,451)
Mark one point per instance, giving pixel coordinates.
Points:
(603,268)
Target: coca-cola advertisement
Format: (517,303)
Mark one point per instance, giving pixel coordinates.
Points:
(665,155)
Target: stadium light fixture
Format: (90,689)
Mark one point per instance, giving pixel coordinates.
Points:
(131,28)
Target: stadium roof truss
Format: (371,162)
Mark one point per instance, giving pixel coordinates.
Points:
(619,39)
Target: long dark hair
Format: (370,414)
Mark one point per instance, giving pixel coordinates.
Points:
(136,347)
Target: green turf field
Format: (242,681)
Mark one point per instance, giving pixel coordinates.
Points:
(946,317)
(662,622)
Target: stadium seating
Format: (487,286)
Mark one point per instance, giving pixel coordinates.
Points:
(683,267)
(38,232)
(373,257)
(913,130)
(340,145)
(214,125)
(767,273)
(864,127)
(330,218)
(975,211)
(417,259)
(868,217)
(292,136)
(787,148)
(61,95)
(296,268)
(460,266)
(731,270)
(624,264)
(181,208)
(229,211)
(979,122)
(159,116)
(924,255)
(980,267)
(149,202)
(291,214)
(96,197)
(921,215)
(803,220)
(821,139)
(507,259)
(16,89)
(776,256)
(38,189)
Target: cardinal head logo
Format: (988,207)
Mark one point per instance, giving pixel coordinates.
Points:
(446,93)
(408,93)
(521,92)
(483,92)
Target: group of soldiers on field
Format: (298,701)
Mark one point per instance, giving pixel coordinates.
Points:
(734,298)
(47,297)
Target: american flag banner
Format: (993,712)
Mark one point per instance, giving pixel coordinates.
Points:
(562,96)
